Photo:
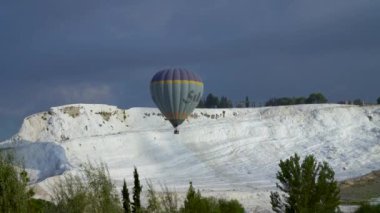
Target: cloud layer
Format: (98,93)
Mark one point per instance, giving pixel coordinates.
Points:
(55,53)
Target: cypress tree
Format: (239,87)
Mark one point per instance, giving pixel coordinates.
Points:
(126,201)
(247,103)
(136,207)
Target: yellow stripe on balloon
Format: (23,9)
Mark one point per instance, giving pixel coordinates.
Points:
(176,115)
(179,82)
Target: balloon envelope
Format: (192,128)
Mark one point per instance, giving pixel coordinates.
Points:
(176,92)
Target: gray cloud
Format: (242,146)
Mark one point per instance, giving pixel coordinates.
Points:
(55,53)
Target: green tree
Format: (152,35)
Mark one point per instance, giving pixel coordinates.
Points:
(136,206)
(14,193)
(316,98)
(300,100)
(211,101)
(358,102)
(192,200)
(247,103)
(225,103)
(280,101)
(201,104)
(125,196)
(307,187)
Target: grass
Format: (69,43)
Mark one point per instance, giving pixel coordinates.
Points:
(361,189)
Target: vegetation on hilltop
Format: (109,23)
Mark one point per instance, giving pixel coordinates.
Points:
(314,98)
(213,101)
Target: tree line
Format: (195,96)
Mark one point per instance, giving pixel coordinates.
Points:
(307,186)
(213,101)
(314,98)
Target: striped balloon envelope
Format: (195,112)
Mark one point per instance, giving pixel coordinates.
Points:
(176,92)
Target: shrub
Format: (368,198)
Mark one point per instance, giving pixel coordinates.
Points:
(195,203)
(164,202)
(367,208)
(169,200)
(105,115)
(14,193)
(103,194)
(154,204)
(230,206)
(70,194)
(92,191)
(40,206)
(72,111)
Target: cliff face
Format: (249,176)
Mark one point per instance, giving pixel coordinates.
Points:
(226,152)
(73,121)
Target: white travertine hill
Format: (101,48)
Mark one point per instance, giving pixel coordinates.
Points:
(232,153)
(73,121)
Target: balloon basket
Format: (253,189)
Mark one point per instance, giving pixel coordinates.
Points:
(176,131)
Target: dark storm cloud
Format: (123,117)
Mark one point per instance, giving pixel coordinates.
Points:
(60,52)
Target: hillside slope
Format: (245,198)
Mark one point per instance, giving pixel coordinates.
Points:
(231,153)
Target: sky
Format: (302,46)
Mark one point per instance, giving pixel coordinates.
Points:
(88,51)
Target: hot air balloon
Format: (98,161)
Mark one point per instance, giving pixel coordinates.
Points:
(176,92)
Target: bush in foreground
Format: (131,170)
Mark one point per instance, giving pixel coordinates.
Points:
(167,202)
(93,191)
(194,202)
(367,208)
(14,193)
(40,206)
